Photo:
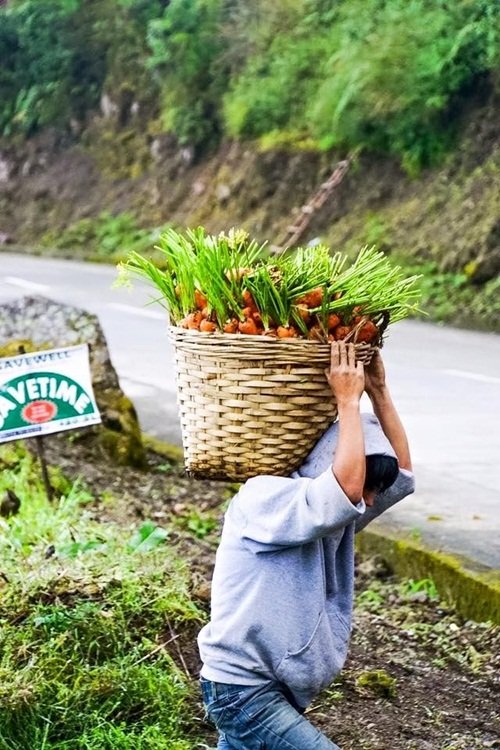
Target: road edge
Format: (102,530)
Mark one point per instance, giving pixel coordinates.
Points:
(473,590)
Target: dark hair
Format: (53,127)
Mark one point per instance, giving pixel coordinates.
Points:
(381,472)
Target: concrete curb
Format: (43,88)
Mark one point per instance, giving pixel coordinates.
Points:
(473,589)
(170,451)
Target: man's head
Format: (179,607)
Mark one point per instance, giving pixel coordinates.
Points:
(381,473)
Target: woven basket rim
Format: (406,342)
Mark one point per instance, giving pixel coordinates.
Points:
(235,345)
(234,338)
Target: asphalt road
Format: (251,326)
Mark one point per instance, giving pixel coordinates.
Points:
(445,382)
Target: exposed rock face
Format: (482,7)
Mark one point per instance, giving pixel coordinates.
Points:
(40,323)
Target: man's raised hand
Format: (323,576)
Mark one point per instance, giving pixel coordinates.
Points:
(375,374)
(345,376)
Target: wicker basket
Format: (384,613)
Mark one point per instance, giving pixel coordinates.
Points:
(250,404)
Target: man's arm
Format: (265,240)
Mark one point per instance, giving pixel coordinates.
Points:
(385,411)
(346,379)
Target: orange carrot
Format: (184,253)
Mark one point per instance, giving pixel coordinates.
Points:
(314,298)
(194,320)
(207,326)
(368,332)
(333,321)
(248,300)
(248,326)
(341,332)
(200,299)
(304,313)
(231,326)
(286,332)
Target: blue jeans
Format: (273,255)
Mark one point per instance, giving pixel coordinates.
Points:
(259,717)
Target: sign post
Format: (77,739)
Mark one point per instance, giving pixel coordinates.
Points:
(43,393)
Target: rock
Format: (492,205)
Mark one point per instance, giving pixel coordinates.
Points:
(223,193)
(187,155)
(162,147)
(109,108)
(155,149)
(40,323)
(5,169)
(27,168)
(198,187)
(10,504)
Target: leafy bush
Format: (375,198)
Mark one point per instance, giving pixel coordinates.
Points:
(395,71)
(106,236)
(57,54)
(384,74)
(37,76)
(272,91)
(186,54)
(388,75)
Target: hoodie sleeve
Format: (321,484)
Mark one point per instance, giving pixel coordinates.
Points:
(277,512)
(403,486)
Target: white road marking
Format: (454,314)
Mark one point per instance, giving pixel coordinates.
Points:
(137,311)
(472,376)
(25,284)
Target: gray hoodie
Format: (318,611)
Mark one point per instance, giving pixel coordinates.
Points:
(282,590)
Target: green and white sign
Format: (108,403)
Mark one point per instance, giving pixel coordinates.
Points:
(45,392)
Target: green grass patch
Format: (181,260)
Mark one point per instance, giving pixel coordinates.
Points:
(105,237)
(91,618)
(453,297)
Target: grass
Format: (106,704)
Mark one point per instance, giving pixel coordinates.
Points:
(107,237)
(414,607)
(89,618)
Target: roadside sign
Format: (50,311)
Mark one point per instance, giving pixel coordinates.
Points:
(46,392)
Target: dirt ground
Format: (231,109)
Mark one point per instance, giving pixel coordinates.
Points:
(418,677)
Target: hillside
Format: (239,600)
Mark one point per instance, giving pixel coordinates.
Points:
(142,114)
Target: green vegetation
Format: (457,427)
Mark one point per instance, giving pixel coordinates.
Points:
(90,614)
(225,280)
(59,56)
(453,297)
(385,75)
(378,682)
(107,237)
(187,50)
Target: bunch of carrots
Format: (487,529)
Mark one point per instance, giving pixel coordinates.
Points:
(229,284)
(335,327)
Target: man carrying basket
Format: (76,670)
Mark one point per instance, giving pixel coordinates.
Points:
(282,591)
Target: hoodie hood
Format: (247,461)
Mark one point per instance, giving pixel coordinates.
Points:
(320,458)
